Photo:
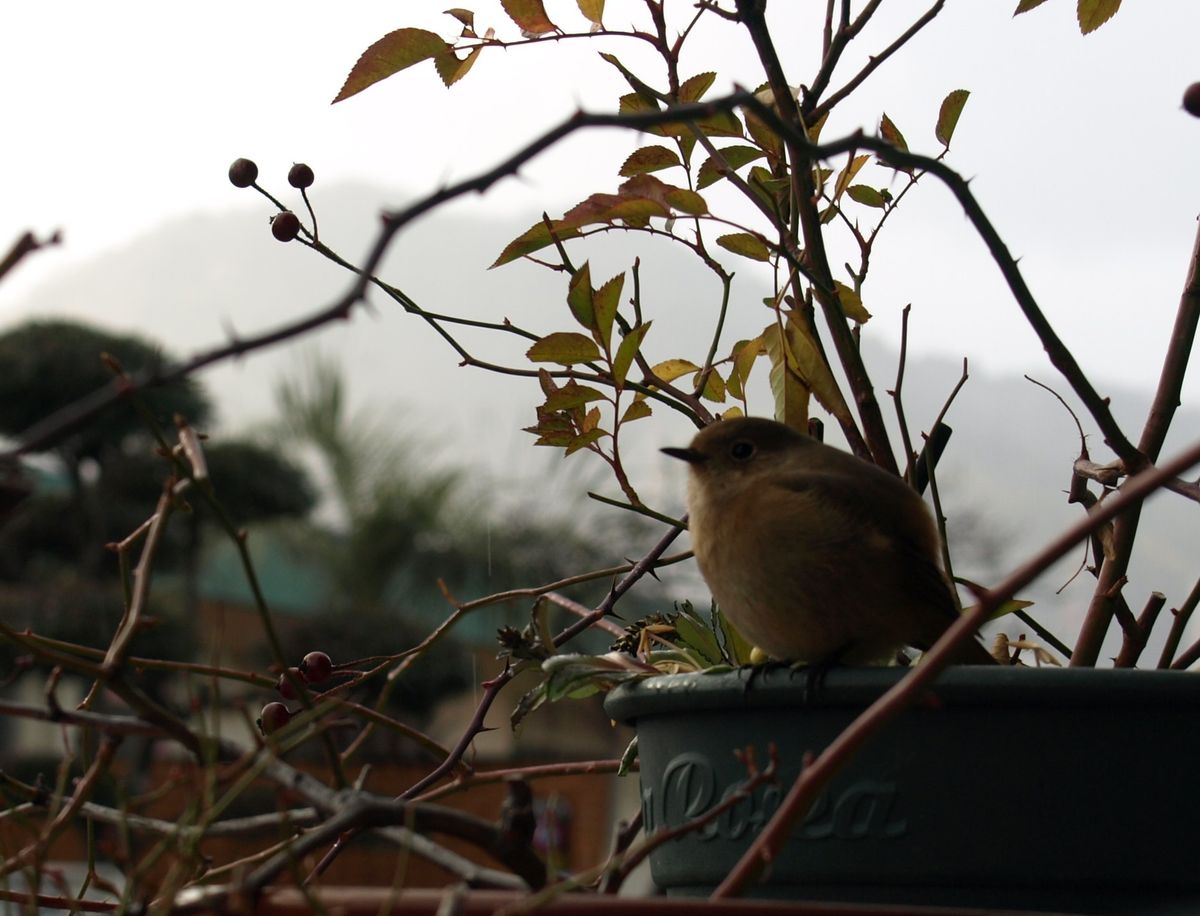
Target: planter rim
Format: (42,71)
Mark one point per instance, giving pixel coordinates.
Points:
(999,687)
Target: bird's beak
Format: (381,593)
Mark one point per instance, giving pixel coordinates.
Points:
(690,455)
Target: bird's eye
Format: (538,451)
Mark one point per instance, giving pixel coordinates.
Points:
(742,450)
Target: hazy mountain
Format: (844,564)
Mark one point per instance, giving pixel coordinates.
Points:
(194,281)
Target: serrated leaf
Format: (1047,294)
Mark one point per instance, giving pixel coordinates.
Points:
(628,758)
(952,106)
(699,638)
(851,303)
(1094,13)
(686,201)
(605,301)
(866,195)
(769,141)
(713,170)
(451,69)
(529,702)
(1026,5)
(636,411)
(626,352)
(745,244)
(670,369)
(529,15)
(584,440)
(891,133)
(847,174)
(394,52)
(649,159)
(593,10)
(571,395)
(579,296)
(564,348)
(636,103)
(693,88)
(534,239)
(736,647)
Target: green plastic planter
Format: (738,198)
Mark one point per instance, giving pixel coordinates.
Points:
(1071,790)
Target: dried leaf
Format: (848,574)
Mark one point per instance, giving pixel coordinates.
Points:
(451,68)
(394,52)
(1026,5)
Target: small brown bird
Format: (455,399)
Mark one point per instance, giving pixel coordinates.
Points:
(812,553)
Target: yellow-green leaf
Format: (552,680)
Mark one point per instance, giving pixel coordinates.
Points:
(814,129)
(564,348)
(866,195)
(670,369)
(847,174)
(584,440)
(394,52)
(579,296)
(952,106)
(732,412)
(851,303)
(593,10)
(686,201)
(451,68)
(713,169)
(790,393)
(714,386)
(693,88)
(529,15)
(803,370)
(1094,13)
(626,352)
(745,244)
(744,355)
(605,301)
(636,411)
(534,239)
(649,159)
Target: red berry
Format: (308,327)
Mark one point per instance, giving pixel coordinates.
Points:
(243,173)
(1191,100)
(300,176)
(273,717)
(285,226)
(284,686)
(316,667)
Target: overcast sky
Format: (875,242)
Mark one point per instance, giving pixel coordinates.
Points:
(117,116)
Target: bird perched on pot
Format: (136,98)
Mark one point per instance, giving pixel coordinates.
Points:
(813,554)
